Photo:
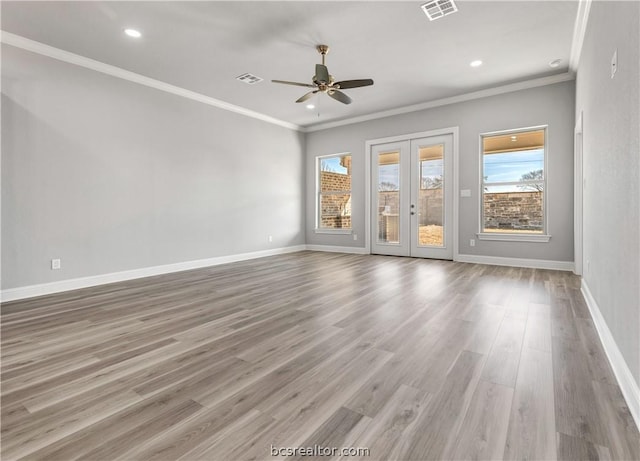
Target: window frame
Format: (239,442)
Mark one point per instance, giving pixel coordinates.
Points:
(318,198)
(520,236)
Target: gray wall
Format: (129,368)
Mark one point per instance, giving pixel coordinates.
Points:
(109,176)
(611,153)
(551,105)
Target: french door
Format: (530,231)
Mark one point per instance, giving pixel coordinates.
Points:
(412,197)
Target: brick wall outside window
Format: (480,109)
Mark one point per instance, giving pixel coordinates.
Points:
(335,210)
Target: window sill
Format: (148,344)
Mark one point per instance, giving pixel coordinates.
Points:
(334,231)
(534,238)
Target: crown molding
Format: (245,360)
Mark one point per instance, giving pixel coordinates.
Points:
(542,81)
(82,61)
(98,66)
(579,30)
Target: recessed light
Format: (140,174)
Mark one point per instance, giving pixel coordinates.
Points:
(476,63)
(310,106)
(555,63)
(133,33)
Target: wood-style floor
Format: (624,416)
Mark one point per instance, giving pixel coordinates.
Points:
(409,358)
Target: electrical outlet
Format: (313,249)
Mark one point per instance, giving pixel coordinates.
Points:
(55,264)
(270,238)
(355,236)
(472,242)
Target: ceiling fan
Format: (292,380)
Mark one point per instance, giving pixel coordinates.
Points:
(325,83)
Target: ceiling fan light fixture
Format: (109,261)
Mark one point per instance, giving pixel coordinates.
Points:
(436,9)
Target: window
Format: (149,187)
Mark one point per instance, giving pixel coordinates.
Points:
(334,193)
(513,185)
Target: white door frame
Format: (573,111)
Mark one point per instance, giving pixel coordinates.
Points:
(578,190)
(407,137)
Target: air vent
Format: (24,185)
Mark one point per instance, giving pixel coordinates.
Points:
(249,79)
(437,9)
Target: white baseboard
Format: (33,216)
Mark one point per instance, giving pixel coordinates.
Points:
(31,291)
(628,385)
(337,249)
(516,262)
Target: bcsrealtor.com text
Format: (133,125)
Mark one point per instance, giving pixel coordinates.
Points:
(319,450)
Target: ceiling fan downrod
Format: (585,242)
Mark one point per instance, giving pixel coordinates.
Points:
(323,50)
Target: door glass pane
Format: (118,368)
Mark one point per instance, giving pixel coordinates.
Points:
(431,196)
(389,197)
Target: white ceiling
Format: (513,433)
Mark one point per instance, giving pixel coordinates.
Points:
(204,46)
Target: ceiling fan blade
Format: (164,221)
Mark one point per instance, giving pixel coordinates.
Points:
(307,96)
(346,84)
(339,96)
(322,73)
(306,85)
